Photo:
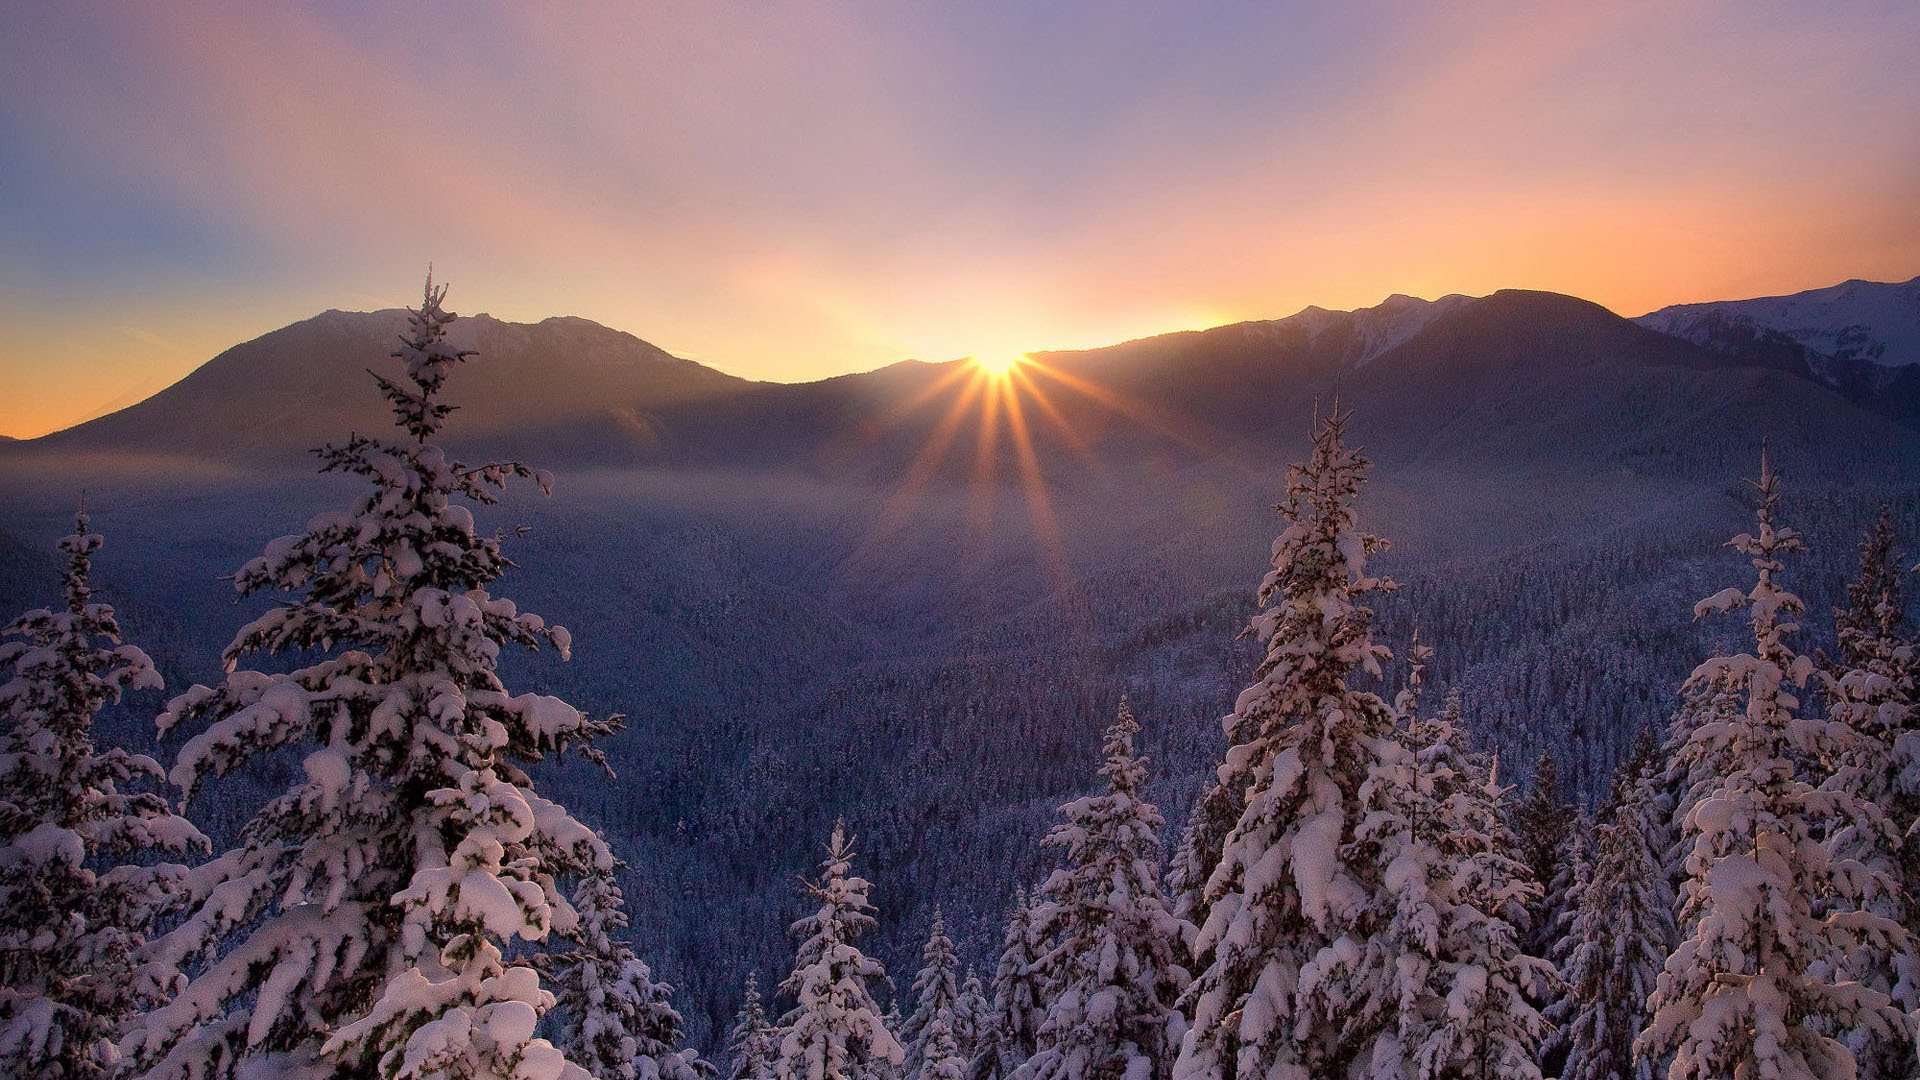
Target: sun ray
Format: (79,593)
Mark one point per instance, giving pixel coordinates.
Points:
(982,497)
(1039,500)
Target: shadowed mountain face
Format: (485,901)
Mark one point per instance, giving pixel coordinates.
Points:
(275,397)
(864,595)
(1861,338)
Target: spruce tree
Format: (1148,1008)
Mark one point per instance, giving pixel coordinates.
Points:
(1111,970)
(936,995)
(616,1021)
(380,917)
(753,1044)
(1751,989)
(835,1030)
(1461,895)
(1622,930)
(1287,989)
(972,1018)
(1540,820)
(72,922)
(1019,996)
(1870,687)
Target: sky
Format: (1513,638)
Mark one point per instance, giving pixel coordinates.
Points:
(788,191)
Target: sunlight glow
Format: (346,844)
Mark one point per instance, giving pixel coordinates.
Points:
(998,365)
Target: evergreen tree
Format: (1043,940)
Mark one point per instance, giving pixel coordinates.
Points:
(1287,988)
(70,932)
(1750,990)
(362,925)
(1871,688)
(1112,971)
(835,1030)
(940,1056)
(1621,933)
(1019,997)
(753,1045)
(1212,819)
(1540,820)
(1876,612)
(972,1018)
(936,993)
(1461,896)
(616,1021)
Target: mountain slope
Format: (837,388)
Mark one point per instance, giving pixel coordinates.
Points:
(274,397)
(1861,338)
(1868,321)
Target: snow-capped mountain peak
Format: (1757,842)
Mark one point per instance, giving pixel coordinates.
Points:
(1855,321)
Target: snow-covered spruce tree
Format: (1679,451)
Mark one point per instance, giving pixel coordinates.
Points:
(71,922)
(936,995)
(1287,987)
(1540,820)
(1019,996)
(1461,895)
(1111,967)
(1871,687)
(972,1018)
(753,1044)
(616,1021)
(362,927)
(1749,990)
(835,1030)
(1621,933)
(1214,815)
(1570,875)
(940,1056)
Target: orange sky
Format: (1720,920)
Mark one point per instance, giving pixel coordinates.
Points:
(789,191)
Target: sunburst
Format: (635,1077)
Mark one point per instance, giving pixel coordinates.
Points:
(994,396)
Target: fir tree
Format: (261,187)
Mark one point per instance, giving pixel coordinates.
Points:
(70,931)
(1461,896)
(1111,971)
(1622,930)
(1019,997)
(1750,990)
(753,1045)
(1871,688)
(616,1021)
(1875,611)
(936,995)
(1540,820)
(972,1018)
(835,1030)
(363,925)
(1287,989)
(940,1056)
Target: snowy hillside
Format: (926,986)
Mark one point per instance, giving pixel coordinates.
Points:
(1873,321)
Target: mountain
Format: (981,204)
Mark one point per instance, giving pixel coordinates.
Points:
(1860,337)
(270,399)
(860,596)
(1870,321)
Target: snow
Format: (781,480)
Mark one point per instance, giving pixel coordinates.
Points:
(1878,322)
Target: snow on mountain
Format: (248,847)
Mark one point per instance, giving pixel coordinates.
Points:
(1873,321)
(1366,332)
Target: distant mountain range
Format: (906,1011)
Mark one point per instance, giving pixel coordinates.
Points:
(586,393)
(1860,337)
(860,596)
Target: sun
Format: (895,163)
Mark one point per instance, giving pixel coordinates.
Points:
(998,365)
